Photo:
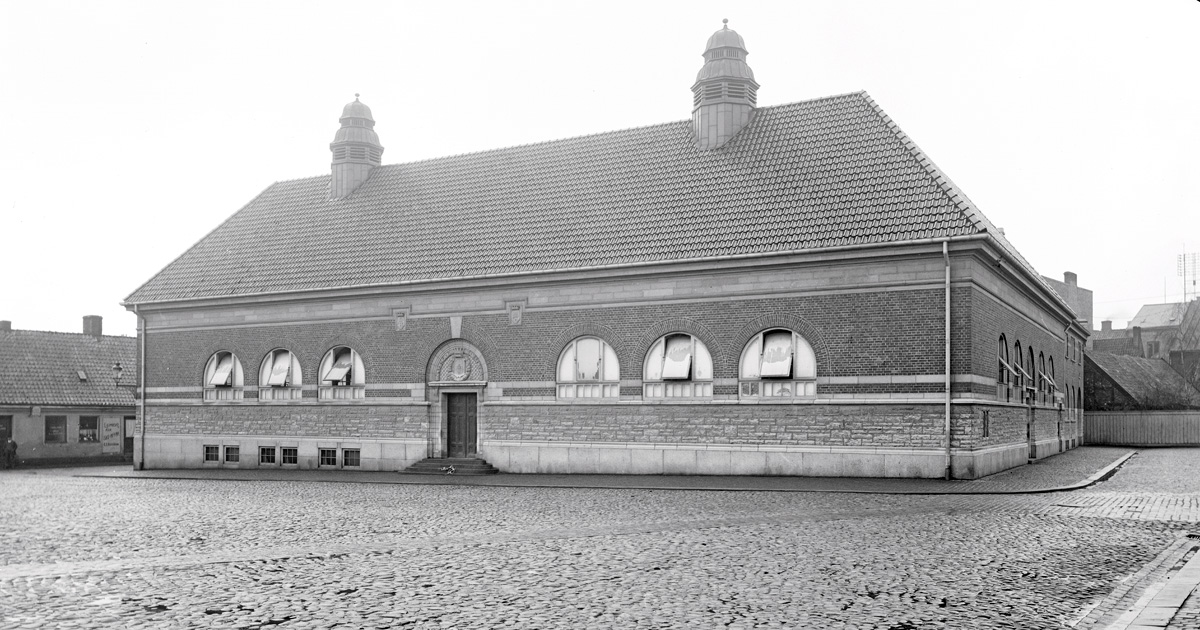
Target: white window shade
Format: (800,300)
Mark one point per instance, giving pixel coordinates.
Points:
(223,374)
(702,368)
(777,354)
(566,364)
(677,358)
(612,369)
(587,359)
(280,369)
(342,364)
(806,360)
(751,358)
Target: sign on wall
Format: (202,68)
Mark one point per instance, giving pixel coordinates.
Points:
(110,434)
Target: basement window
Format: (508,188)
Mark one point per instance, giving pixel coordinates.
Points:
(351,457)
(328,457)
(266,454)
(212,453)
(232,454)
(290,455)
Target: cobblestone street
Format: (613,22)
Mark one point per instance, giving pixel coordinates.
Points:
(154,553)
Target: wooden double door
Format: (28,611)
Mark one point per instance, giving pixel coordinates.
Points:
(462,425)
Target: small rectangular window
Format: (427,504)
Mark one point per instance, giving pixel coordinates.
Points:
(350,457)
(232,453)
(56,429)
(290,455)
(328,457)
(212,453)
(266,454)
(82,375)
(88,429)
(987,424)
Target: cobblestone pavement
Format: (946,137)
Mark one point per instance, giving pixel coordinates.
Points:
(155,553)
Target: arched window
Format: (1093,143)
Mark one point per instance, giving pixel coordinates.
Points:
(1018,363)
(588,368)
(1003,370)
(223,377)
(677,365)
(1043,385)
(1031,373)
(342,375)
(1051,383)
(775,363)
(279,378)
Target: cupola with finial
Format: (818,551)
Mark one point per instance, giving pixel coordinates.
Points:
(725,91)
(356,150)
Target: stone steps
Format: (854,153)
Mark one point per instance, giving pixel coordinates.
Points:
(452,466)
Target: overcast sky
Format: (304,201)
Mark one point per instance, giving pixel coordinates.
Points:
(132,129)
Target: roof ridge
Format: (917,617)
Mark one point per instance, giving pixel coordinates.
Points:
(60,332)
(577,137)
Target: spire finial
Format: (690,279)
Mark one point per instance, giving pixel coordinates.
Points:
(356,93)
(726,23)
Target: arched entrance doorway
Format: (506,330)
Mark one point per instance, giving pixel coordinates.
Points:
(455,385)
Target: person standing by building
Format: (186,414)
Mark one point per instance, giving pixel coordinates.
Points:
(10,453)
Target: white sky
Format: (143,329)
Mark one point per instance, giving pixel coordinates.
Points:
(131,129)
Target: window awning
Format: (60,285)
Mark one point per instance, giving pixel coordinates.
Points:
(677,359)
(223,375)
(341,365)
(777,354)
(280,369)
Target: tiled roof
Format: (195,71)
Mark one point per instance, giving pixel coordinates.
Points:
(1159,315)
(1146,380)
(41,368)
(804,176)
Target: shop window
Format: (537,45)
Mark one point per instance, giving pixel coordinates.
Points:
(56,429)
(351,457)
(232,454)
(266,454)
(223,377)
(212,453)
(342,375)
(327,457)
(777,363)
(289,455)
(588,368)
(677,365)
(89,430)
(280,377)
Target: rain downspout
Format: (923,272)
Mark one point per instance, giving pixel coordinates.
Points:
(141,384)
(946,257)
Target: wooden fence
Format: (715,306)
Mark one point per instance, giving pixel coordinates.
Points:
(1142,428)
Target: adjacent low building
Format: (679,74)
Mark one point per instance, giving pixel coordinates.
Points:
(785,290)
(1118,382)
(60,398)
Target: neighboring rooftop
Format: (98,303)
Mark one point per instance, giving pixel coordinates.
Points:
(65,369)
(1159,316)
(1147,381)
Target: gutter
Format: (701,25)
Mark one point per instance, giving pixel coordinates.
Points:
(141,384)
(946,257)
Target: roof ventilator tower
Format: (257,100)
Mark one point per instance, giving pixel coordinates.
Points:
(356,150)
(725,91)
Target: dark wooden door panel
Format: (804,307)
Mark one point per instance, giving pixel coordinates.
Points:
(461,428)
